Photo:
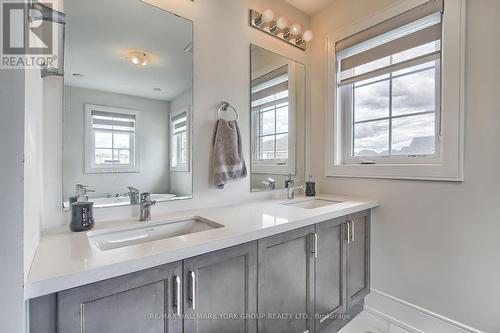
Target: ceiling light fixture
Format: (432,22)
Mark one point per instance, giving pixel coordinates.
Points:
(279,28)
(138,58)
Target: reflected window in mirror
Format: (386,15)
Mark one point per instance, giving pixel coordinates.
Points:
(270,113)
(179,154)
(112,139)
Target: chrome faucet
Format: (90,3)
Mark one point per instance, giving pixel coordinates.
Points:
(134,194)
(146,204)
(290,190)
(270,184)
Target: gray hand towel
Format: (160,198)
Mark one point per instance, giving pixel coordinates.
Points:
(229,164)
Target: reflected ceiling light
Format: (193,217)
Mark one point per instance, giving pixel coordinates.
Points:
(139,58)
(279,28)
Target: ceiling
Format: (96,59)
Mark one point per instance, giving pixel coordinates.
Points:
(310,7)
(97,34)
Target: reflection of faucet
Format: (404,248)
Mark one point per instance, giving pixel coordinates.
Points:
(290,190)
(146,204)
(270,184)
(134,194)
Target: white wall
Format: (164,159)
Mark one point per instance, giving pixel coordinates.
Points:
(181,182)
(53,96)
(222,39)
(435,244)
(11,200)
(33,165)
(153,176)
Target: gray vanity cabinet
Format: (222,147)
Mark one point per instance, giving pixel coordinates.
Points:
(220,287)
(312,279)
(143,302)
(330,270)
(358,257)
(286,282)
(342,270)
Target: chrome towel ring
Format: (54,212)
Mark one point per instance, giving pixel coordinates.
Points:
(224,106)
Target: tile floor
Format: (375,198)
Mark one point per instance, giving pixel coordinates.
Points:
(368,323)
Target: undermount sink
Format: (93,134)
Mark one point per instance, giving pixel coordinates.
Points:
(312,203)
(114,238)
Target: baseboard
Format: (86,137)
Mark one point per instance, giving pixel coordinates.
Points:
(411,317)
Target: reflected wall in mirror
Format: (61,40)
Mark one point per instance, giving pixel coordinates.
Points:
(277,119)
(128,102)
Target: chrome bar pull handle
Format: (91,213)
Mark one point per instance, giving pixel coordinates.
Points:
(192,276)
(315,236)
(348,232)
(177,300)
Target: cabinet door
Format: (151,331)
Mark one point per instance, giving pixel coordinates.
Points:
(330,270)
(286,282)
(143,302)
(358,257)
(220,288)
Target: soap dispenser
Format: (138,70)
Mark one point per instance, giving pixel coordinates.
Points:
(288,180)
(310,187)
(82,210)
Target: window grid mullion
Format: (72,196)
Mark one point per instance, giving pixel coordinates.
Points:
(353,126)
(275,130)
(390,109)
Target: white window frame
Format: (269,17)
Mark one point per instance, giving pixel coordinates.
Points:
(182,167)
(278,166)
(448,165)
(135,149)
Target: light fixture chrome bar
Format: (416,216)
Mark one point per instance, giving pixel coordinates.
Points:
(255,21)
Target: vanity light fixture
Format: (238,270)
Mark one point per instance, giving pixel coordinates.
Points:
(139,58)
(279,28)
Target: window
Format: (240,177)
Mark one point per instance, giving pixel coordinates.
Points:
(389,93)
(390,85)
(179,159)
(111,139)
(271,122)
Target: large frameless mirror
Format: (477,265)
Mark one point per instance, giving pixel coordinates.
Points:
(277,120)
(128,102)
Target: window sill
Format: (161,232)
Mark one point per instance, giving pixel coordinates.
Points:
(433,172)
(133,169)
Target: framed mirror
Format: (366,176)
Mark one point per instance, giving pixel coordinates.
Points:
(277,100)
(128,102)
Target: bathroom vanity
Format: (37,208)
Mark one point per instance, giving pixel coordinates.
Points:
(269,266)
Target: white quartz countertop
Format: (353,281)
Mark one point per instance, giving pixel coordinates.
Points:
(66,260)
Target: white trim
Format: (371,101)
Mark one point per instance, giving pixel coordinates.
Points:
(89,141)
(183,167)
(450,167)
(412,317)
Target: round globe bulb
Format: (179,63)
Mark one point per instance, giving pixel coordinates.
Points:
(308,35)
(267,16)
(135,60)
(295,29)
(282,22)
